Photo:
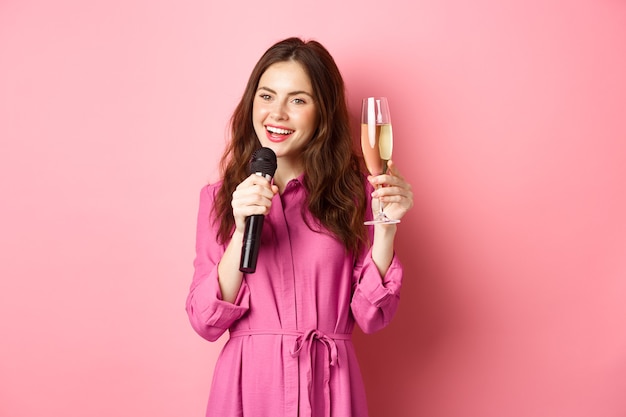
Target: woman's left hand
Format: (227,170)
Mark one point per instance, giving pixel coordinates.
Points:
(393,191)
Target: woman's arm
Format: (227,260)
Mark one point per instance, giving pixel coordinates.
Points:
(253,196)
(208,313)
(395,193)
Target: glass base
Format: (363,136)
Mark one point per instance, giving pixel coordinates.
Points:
(381,218)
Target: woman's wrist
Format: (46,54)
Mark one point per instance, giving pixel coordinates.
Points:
(385,231)
(382,247)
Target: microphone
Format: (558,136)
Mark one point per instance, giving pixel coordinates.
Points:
(263,163)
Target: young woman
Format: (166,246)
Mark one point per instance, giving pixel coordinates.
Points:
(319,268)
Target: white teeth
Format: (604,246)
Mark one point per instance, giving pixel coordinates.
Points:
(279,131)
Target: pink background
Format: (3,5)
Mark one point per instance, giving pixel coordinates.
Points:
(510,120)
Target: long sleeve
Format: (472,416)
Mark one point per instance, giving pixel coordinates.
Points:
(208,313)
(375,300)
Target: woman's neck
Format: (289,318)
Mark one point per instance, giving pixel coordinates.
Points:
(285,173)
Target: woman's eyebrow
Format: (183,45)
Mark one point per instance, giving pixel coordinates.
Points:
(292,93)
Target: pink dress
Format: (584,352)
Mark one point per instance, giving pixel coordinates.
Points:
(289,353)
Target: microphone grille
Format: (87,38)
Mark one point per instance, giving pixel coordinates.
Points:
(264,161)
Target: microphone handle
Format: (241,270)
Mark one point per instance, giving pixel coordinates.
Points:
(251,243)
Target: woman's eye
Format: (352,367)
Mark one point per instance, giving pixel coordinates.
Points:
(299,101)
(265,96)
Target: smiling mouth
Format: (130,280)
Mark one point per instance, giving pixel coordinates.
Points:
(278,131)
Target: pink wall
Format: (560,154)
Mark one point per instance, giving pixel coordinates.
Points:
(509,118)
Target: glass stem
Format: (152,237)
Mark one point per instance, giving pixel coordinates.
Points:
(380,203)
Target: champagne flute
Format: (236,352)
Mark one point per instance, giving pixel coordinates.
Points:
(377,143)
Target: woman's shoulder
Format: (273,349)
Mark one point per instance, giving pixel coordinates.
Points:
(210,189)
(369,188)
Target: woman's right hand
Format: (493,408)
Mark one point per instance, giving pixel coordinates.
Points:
(253,196)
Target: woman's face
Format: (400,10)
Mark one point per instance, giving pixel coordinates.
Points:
(284,112)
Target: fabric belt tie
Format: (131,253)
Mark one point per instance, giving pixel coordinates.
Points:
(305,343)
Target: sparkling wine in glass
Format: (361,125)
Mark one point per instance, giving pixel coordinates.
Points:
(377,143)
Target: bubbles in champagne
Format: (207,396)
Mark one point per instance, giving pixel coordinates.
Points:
(376,149)
(385,142)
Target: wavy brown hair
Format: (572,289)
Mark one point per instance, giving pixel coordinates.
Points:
(333,179)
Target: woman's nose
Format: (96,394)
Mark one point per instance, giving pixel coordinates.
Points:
(279,112)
